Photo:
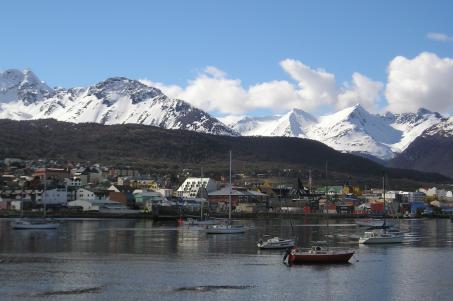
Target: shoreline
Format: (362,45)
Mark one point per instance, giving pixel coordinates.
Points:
(150,216)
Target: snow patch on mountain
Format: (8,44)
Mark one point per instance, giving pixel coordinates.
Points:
(442,129)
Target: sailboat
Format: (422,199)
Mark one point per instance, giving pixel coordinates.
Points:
(36,223)
(318,254)
(228,227)
(384,236)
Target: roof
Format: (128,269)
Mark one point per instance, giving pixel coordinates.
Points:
(225,191)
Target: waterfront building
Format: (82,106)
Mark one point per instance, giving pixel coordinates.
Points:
(196,187)
(145,198)
(85,205)
(57,196)
(218,200)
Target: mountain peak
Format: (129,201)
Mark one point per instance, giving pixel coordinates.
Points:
(303,114)
(423,111)
(22,85)
(110,89)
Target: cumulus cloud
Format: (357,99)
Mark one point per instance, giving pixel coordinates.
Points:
(363,91)
(440,37)
(424,81)
(315,85)
(212,90)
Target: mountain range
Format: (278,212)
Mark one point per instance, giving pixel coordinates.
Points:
(352,130)
(119,100)
(115,100)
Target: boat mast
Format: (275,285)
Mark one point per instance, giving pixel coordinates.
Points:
(229,195)
(327,210)
(383,191)
(44,191)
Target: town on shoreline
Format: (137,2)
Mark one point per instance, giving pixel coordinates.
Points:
(27,188)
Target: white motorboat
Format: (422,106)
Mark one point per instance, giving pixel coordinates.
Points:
(225,229)
(385,237)
(38,224)
(275,243)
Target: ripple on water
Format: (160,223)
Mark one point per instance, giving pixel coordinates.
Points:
(74,291)
(209,288)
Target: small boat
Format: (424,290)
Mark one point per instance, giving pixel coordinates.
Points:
(385,237)
(38,224)
(225,229)
(275,243)
(317,254)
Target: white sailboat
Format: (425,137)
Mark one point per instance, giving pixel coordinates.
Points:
(275,243)
(228,227)
(383,236)
(36,223)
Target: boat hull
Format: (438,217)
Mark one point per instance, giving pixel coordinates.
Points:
(222,230)
(307,258)
(280,245)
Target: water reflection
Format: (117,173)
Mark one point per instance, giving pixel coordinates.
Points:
(140,259)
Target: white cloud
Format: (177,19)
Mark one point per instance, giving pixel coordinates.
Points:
(316,87)
(424,81)
(213,91)
(363,91)
(440,37)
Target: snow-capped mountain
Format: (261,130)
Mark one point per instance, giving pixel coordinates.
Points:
(443,129)
(113,101)
(292,124)
(15,84)
(351,130)
(431,151)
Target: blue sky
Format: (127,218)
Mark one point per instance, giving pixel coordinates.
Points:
(77,43)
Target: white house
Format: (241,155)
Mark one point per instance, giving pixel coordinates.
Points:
(197,187)
(84,194)
(55,196)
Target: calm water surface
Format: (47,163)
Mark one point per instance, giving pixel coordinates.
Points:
(142,260)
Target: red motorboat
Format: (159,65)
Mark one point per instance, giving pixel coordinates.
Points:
(317,254)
